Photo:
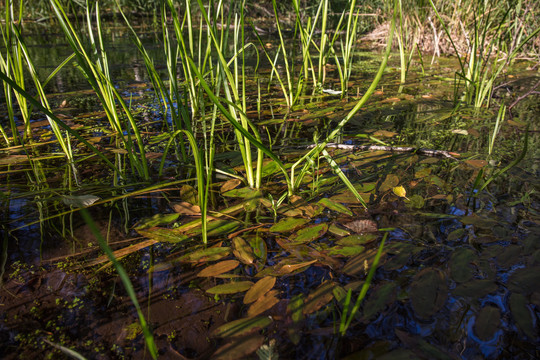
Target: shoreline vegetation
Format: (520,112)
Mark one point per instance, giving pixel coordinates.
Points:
(250,159)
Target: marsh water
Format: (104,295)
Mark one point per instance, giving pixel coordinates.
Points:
(457,278)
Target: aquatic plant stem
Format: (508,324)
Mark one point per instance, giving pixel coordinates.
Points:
(319,147)
(148,337)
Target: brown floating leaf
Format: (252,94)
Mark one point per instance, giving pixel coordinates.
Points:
(230,288)
(186,208)
(239,348)
(264,303)
(219,268)
(477,163)
(487,322)
(229,185)
(289,268)
(362,226)
(319,297)
(260,288)
(189,194)
(243,251)
(360,264)
(242,326)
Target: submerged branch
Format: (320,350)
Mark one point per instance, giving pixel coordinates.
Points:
(406,149)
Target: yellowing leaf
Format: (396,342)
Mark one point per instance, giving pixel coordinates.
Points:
(400,191)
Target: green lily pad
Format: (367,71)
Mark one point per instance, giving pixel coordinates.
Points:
(487,322)
(288,224)
(429,292)
(309,234)
(230,288)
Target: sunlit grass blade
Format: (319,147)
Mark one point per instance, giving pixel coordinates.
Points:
(148,337)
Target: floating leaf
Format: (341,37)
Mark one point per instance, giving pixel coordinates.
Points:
(337,231)
(477,163)
(229,185)
(390,181)
(422,173)
(358,239)
(185,208)
(242,326)
(296,307)
(219,268)
(525,280)
(244,193)
(429,292)
(487,322)
(242,250)
(309,234)
(79,200)
(360,264)
(158,219)
(416,201)
(460,269)
(362,226)
(319,297)
(475,288)
(346,250)
(288,224)
(379,298)
(260,288)
(400,191)
(264,303)
(523,316)
(163,235)
(258,245)
(230,288)
(332,205)
(189,194)
(204,255)
(289,268)
(239,348)
(422,348)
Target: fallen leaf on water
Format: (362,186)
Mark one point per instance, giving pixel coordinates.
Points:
(219,268)
(362,226)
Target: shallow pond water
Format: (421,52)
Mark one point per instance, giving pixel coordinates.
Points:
(458,272)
